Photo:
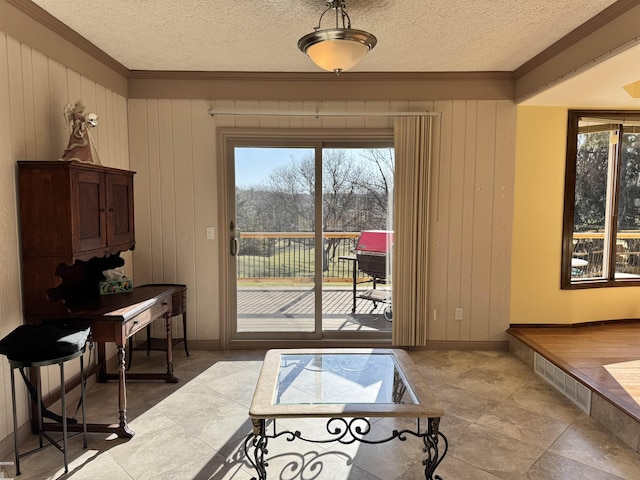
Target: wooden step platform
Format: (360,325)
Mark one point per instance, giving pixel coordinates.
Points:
(604,357)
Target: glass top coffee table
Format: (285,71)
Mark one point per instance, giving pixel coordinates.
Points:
(347,387)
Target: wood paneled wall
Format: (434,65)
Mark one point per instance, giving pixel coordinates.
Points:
(33,92)
(173,149)
(473,178)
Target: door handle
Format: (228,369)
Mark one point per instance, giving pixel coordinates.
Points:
(234,246)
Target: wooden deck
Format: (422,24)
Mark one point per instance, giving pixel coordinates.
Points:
(605,358)
(289,309)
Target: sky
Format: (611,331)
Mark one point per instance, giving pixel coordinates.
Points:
(254,164)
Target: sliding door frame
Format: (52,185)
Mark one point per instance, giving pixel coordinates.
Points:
(227,140)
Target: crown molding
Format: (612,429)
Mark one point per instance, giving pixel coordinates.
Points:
(43,17)
(590,26)
(317,76)
(319,86)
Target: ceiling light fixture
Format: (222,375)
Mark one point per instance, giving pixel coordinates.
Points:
(337,49)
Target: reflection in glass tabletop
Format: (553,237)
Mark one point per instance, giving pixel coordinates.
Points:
(364,378)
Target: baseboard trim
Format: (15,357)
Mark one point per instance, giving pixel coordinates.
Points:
(204,345)
(502,345)
(6,445)
(177,348)
(324,343)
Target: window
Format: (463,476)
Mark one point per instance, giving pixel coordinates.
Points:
(601,229)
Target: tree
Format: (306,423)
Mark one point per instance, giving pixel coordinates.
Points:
(591,181)
(629,197)
(356,188)
(289,196)
(592,177)
(355,191)
(379,181)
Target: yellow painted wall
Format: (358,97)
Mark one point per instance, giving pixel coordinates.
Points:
(536,296)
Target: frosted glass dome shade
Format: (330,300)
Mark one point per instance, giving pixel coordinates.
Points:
(337,50)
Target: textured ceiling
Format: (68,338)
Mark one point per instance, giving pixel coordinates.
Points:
(262,35)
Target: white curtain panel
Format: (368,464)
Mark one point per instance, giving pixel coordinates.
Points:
(412,138)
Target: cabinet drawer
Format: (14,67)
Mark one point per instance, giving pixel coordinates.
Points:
(160,306)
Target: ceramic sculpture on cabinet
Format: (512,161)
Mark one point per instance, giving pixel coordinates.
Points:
(80,146)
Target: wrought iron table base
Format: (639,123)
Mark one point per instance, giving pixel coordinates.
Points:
(346,432)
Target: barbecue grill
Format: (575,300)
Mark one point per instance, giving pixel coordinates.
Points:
(371,254)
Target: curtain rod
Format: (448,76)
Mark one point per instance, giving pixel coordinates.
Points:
(293,113)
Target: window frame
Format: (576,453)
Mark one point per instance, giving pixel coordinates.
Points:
(609,280)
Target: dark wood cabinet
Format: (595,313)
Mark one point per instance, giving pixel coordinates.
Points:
(74,208)
(75,220)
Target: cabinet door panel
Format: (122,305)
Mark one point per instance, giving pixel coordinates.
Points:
(120,209)
(91,231)
(45,211)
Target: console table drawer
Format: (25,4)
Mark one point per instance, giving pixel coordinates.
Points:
(158,309)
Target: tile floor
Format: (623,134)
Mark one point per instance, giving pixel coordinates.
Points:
(502,422)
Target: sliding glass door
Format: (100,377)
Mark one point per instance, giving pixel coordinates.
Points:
(298,212)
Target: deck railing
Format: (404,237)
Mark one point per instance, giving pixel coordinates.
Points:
(290,256)
(588,254)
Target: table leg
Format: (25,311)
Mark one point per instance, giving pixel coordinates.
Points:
(167,324)
(167,377)
(346,431)
(257,440)
(123,428)
(435,455)
(184,331)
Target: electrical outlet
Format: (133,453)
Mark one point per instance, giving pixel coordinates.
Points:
(458,313)
(210,233)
